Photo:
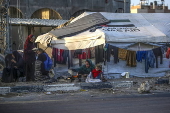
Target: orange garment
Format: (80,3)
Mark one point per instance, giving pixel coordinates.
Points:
(168,53)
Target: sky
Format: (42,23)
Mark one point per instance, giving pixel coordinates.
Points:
(135,2)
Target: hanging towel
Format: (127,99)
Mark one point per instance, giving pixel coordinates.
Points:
(131,58)
(122,54)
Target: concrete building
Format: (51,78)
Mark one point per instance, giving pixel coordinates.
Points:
(64,9)
(152,7)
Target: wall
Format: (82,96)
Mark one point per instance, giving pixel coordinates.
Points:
(66,8)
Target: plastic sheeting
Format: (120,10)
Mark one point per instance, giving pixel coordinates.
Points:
(146,30)
(81,41)
(148,27)
(115,70)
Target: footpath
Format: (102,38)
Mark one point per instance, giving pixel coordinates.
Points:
(122,85)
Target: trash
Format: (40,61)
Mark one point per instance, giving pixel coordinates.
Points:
(48,93)
(125,74)
(144,87)
(162,81)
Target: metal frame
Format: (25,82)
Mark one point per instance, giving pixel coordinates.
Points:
(5,43)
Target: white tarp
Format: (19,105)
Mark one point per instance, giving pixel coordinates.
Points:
(81,41)
(115,70)
(149,28)
(145,30)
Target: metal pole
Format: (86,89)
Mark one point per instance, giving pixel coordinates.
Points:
(8,44)
(124,6)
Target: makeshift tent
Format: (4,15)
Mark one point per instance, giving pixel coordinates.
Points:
(128,31)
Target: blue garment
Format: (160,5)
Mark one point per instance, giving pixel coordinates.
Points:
(140,55)
(150,60)
(48,62)
(163,49)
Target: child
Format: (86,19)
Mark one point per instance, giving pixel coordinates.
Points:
(97,72)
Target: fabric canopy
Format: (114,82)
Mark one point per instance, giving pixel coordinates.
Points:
(81,41)
(129,28)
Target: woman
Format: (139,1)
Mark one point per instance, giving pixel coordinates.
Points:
(45,67)
(85,69)
(14,67)
(7,76)
(29,58)
(17,65)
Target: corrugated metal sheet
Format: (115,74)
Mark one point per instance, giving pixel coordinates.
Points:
(42,22)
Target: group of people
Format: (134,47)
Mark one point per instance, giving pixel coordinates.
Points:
(89,68)
(23,64)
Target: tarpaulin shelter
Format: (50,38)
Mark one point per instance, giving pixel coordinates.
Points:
(142,31)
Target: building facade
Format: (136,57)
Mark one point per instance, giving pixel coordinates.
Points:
(64,9)
(152,7)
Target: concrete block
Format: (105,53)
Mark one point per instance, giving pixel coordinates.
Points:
(61,87)
(97,85)
(122,84)
(4,90)
(27,89)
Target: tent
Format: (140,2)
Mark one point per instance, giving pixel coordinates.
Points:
(143,31)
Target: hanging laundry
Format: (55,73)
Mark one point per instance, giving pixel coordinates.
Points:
(86,54)
(65,56)
(163,49)
(140,55)
(70,58)
(99,54)
(158,52)
(54,55)
(131,58)
(92,51)
(60,56)
(57,55)
(112,50)
(150,60)
(122,53)
(168,53)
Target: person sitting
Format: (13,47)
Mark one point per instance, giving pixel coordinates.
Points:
(17,65)
(97,72)
(43,57)
(6,74)
(96,75)
(84,70)
(14,67)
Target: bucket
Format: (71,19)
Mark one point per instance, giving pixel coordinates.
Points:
(127,75)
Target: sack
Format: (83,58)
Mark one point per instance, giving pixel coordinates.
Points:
(90,79)
(48,63)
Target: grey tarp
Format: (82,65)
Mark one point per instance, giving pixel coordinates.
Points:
(80,25)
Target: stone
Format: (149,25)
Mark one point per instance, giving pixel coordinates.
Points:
(4,90)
